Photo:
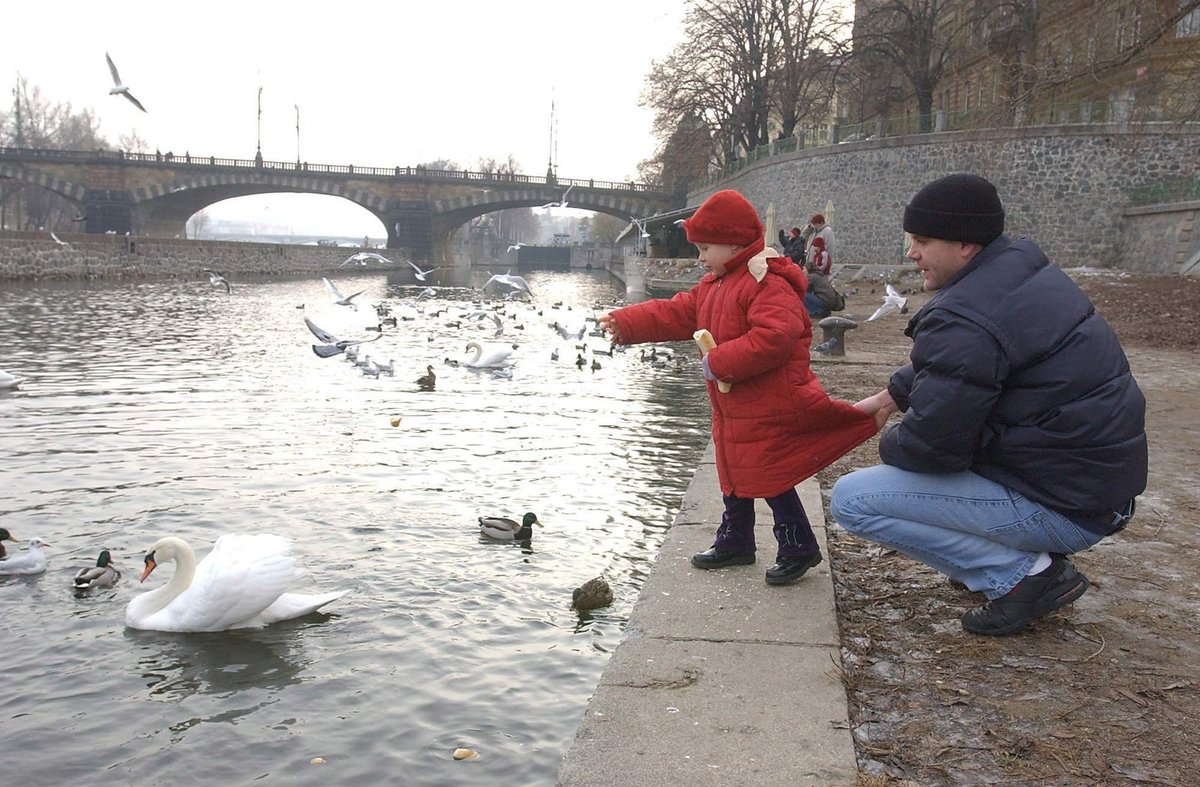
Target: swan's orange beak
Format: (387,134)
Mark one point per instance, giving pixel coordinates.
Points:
(150,566)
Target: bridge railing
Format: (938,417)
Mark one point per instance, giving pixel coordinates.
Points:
(304,167)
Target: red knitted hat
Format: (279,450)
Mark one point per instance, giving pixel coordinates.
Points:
(819,241)
(725,217)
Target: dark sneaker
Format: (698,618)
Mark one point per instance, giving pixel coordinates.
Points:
(789,569)
(1033,597)
(720,558)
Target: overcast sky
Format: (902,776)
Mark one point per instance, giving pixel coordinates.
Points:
(377,84)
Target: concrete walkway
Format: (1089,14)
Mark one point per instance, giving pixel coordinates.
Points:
(720,679)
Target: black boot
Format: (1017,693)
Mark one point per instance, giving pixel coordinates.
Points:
(1034,596)
(789,569)
(720,558)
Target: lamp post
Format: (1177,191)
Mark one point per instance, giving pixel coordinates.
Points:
(258,159)
(297,135)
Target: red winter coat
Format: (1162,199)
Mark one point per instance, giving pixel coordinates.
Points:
(777,426)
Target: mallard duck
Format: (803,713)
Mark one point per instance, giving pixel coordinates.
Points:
(31,562)
(5,536)
(101,575)
(427,380)
(593,594)
(505,529)
(241,583)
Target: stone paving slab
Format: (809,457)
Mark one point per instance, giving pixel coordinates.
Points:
(720,679)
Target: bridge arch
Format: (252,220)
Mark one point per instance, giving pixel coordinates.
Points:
(451,213)
(164,208)
(63,188)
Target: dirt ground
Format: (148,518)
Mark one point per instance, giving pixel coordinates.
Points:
(1104,692)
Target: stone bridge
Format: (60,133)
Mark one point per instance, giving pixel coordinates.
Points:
(153,194)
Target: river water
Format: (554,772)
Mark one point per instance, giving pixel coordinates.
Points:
(170,408)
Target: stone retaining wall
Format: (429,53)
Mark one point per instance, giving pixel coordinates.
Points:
(1162,238)
(37,256)
(1067,187)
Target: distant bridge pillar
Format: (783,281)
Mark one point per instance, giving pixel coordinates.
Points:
(410,227)
(108,211)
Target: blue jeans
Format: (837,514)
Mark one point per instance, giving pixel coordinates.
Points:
(975,530)
(815,306)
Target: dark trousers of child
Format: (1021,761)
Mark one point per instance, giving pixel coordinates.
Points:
(792,529)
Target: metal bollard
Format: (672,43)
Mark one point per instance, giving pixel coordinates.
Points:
(833,335)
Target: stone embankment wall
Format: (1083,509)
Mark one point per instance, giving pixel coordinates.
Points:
(28,255)
(1067,187)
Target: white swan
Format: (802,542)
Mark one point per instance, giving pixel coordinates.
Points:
(241,583)
(9,382)
(31,562)
(495,357)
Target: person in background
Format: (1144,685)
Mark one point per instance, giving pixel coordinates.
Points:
(792,245)
(820,261)
(776,425)
(1023,439)
(819,229)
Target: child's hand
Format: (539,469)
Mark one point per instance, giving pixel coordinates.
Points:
(707,374)
(607,322)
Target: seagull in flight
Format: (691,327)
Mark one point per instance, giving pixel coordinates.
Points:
(364,257)
(516,247)
(332,344)
(118,87)
(641,225)
(562,203)
(516,282)
(59,241)
(342,300)
(891,302)
(418,273)
(217,280)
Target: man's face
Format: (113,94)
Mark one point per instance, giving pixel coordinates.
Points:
(939,260)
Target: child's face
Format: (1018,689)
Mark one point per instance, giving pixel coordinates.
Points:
(714,256)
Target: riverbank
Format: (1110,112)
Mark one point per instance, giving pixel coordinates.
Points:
(720,678)
(38,256)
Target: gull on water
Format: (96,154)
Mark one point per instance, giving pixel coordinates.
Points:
(217,280)
(891,302)
(342,300)
(9,382)
(332,344)
(118,87)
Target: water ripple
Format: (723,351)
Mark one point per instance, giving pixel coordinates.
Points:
(158,408)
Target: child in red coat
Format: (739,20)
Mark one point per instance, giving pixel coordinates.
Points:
(822,263)
(776,426)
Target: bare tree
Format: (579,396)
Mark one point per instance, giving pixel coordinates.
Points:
(812,34)
(912,37)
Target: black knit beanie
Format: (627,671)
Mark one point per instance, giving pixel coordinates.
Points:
(957,207)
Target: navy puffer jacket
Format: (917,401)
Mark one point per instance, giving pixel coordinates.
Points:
(1015,377)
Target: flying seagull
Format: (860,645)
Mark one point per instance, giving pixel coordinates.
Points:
(363,257)
(515,247)
(59,240)
(641,225)
(516,282)
(342,300)
(418,273)
(891,302)
(333,345)
(120,88)
(562,203)
(217,280)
